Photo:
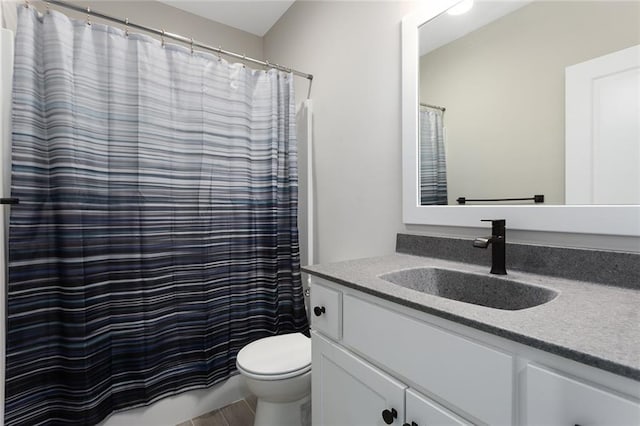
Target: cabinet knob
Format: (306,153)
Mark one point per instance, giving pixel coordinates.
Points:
(318,310)
(389,415)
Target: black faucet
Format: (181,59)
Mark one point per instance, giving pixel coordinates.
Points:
(497,241)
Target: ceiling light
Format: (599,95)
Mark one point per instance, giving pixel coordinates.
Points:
(463,7)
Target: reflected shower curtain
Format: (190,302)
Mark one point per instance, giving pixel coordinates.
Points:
(156,232)
(433,170)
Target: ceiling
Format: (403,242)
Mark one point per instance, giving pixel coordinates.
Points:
(446,28)
(253,16)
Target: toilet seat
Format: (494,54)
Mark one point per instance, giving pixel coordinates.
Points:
(276,357)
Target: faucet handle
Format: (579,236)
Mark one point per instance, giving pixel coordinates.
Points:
(482,242)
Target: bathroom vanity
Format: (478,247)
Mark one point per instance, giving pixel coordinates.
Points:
(392,353)
(424,337)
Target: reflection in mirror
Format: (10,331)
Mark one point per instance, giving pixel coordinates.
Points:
(499,72)
(433,168)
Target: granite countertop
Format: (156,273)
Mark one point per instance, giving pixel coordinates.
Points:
(595,324)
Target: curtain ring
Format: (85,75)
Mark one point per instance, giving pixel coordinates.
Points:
(88,16)
(244,58)
(26,4)
(48,7)
(192,45)
(219,53)
(126,27)
(162,38)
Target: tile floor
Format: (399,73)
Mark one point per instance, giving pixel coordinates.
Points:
(240,413)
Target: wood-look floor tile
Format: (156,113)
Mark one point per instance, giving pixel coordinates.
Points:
(214,418)
(252,400)
(238,414)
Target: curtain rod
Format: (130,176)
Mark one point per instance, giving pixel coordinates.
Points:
(164,34)
(443,109)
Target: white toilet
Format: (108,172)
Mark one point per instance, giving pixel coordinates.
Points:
(277,371)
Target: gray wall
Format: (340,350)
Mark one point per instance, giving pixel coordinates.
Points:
(353,50)
(503,87)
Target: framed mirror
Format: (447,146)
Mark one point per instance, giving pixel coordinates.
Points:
(506,114)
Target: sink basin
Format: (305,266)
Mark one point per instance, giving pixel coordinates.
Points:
(484,290)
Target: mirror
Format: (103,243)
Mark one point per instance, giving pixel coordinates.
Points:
(504,139)
(576,216)
(492,102)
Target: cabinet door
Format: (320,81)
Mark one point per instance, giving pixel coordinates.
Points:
(553,399)
(326,309)
(421,411)
(473,377)
(346,391)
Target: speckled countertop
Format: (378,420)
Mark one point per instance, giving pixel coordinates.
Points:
(595,324)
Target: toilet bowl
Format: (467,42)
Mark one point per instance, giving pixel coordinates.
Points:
(277,370)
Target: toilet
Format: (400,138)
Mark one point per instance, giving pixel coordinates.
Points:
(277,370)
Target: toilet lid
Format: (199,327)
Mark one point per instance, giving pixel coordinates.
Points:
(276,355)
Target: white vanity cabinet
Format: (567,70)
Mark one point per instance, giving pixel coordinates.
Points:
(326,311)
(349,391)
(555,399)
(377,355)
(469,375)
(422,412)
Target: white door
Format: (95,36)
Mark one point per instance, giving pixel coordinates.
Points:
(347,391)
(603,129)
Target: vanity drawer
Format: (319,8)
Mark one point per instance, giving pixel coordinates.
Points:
(473,378)
(553,399)
(326,309)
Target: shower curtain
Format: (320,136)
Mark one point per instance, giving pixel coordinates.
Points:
(433,171)
(156,232)
(6,77)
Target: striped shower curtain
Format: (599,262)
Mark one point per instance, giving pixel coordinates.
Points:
(156,232)
(433,170)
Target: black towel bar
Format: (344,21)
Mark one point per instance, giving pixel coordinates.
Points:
(9,201)
(536,199)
